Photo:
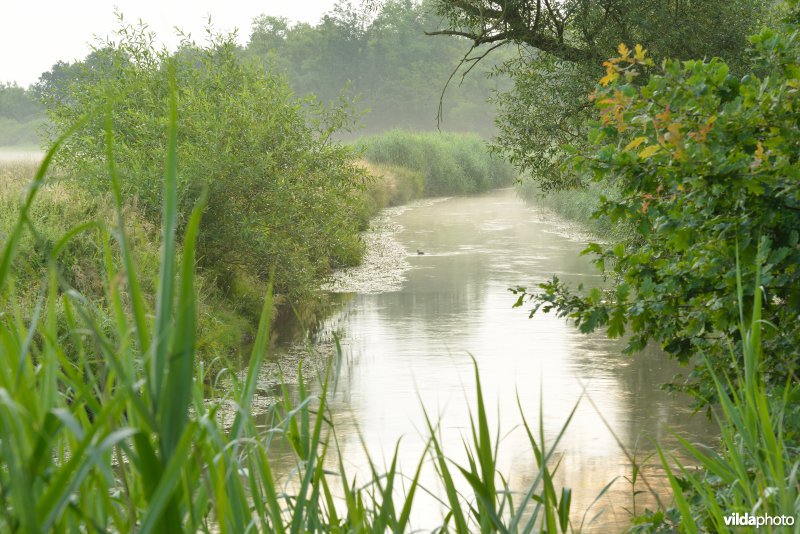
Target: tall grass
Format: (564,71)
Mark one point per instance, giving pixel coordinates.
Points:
(450,163)
(755,470)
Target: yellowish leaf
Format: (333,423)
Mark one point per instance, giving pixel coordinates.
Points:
(639,52)
(662,117)
(636,142)
(649,151)
(623,50)
(608,78)
(674,133)
(759,153)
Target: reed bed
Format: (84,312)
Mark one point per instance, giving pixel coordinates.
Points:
(450,163)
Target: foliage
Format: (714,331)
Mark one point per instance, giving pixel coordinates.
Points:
(222,323)
(383,62)
(561,46)
(705,165)
(281,194)
(18,103)
(756,470)
(546,110)
(449,163)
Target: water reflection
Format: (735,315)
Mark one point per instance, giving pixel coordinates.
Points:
(411,349)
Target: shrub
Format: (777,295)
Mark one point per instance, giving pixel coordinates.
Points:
(281,193)
(705,167)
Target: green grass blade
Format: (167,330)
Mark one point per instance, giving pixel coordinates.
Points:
(163,495)
(164,308)
(181,362)
(257,355)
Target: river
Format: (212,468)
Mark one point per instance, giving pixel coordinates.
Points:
(411,345)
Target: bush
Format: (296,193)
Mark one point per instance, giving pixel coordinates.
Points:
(705,169)
(451,164)
(281,194)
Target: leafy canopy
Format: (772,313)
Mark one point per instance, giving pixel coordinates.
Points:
(560,46)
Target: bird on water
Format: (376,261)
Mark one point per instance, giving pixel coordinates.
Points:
(419,252)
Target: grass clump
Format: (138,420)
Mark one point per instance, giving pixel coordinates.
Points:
(450,163)
(392,185)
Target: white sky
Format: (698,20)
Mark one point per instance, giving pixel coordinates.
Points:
(34,34)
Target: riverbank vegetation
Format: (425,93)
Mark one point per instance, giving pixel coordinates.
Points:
(448,163)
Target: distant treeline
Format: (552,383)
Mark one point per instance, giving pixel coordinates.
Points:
(20,115)
(385,62)
(380,62)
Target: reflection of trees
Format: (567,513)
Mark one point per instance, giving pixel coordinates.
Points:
(650,411)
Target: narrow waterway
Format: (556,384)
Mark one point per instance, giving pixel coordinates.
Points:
(411,346)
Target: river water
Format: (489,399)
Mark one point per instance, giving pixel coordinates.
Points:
(411,346)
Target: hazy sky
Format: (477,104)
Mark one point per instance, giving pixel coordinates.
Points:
(34,34)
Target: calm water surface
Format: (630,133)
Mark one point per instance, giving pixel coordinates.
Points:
(412,348)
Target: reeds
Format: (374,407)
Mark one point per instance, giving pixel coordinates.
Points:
(755,470)
(450,163)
